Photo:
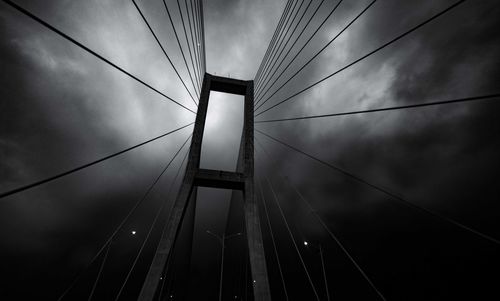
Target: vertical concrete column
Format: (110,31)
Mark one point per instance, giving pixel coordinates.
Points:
(258,266)
(172,227)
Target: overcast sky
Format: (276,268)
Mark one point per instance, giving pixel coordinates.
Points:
(62,107)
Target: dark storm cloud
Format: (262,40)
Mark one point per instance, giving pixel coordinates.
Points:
(61,107)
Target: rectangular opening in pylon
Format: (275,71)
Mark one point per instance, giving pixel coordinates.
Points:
(223,129)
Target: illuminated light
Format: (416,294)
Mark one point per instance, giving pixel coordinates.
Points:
(133,232)
(305,243)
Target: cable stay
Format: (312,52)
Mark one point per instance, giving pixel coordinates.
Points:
(259,96)
(180,46)
(419,105)
(198,39)
(197,74)
(202,25)
(392,195)
(153,223)
(291,236)
(60,175)
(272,239)
(320,51)
(265,78)
(101,268)
(278,32)
(196,25)
(272,44)
(67,37)
(118,228)
(164,51)
(196,42)
(332,235)
(280,38)
(202,37)
(449,8)
(187,42)
(273,58)
(278,27)
(300,50)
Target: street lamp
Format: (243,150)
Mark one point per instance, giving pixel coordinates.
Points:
(307,244)
(222,241)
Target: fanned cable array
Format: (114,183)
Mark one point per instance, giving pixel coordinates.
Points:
(277,68)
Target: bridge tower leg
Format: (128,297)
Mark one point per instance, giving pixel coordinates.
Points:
(242,179)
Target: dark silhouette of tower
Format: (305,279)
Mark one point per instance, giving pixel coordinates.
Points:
(242,179)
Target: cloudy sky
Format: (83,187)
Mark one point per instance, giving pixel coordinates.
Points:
(62,107)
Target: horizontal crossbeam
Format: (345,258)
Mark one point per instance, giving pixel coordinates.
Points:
(228,85)
(219,179)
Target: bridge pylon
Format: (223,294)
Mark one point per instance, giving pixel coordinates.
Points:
(242,179)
